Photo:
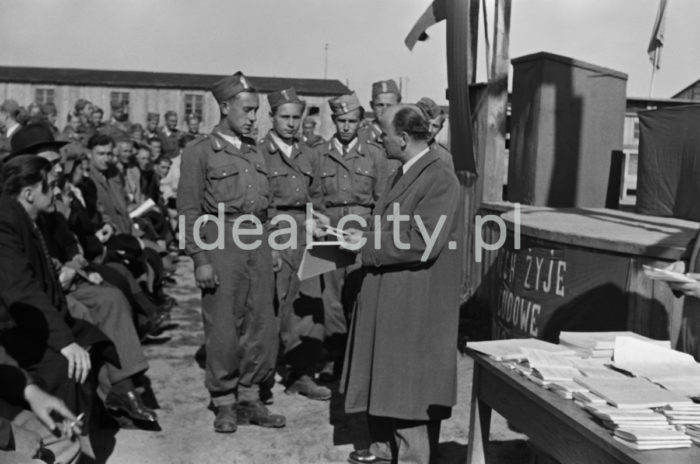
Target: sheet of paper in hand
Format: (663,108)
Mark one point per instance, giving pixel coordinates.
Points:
(666,276)
(322,257)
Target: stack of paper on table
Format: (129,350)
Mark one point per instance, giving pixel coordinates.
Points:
(693,431)
(649,439)
(614,418)
(632,392)
(596,368)
(600,344)
(584,398)
(511,349)
(672,369)
(683,415)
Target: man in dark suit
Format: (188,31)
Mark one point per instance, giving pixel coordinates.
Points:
(21,434)
(36,328)
(401,362)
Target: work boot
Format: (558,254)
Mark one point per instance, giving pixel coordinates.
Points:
(255,413)
(305,386)
(225,421)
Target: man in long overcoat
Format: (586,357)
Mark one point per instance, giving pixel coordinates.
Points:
(401,361)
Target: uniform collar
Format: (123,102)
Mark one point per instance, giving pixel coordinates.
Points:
(339,146)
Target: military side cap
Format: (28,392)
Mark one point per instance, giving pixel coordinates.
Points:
(431,109)
(344,104)
(385,87)
(281,97)
(230,86)
(152,117)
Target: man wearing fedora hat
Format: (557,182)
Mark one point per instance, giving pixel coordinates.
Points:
(289,163)
(225,170)
(351,174)
(37,139)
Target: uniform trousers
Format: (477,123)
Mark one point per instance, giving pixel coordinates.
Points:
(240,328)
(340,289)
(300,313)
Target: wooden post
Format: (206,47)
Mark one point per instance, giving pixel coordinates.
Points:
(493,171)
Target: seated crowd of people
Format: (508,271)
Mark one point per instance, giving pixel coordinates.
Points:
(88,227)
(86,274)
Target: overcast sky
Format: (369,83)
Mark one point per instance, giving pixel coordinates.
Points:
(286,38)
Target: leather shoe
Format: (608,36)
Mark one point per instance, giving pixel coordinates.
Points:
(365,456)
(255,413)
(329,373)
(305,386)
(130,404)
(226,421)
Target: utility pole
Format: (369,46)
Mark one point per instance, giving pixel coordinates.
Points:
(325,62)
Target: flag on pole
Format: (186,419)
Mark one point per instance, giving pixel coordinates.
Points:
(435,13)
(657,36)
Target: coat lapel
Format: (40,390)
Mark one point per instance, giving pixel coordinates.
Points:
(392,193)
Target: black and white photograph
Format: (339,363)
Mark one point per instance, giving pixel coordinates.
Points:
(365,232)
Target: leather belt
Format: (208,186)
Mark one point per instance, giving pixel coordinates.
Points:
(345,210)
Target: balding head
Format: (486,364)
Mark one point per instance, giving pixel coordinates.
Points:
(405,131)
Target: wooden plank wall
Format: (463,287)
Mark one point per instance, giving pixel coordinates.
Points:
(144,100)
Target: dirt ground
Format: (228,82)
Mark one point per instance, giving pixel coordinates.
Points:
(316,432)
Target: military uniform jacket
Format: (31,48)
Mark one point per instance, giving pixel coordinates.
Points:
(291,178)
(169,141)
(216,172)
(118,130)
(369,132)
(356,178)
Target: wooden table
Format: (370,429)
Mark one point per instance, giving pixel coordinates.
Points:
(555,425)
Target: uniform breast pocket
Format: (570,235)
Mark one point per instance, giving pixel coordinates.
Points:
(329,182)
(364,179)
(225,182)
(279,183)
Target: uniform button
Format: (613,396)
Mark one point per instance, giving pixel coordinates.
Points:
(297,190)
(246,170)
(250,186)
(345,175)
(345,202)
(252,201)
(294,177)
(223,173)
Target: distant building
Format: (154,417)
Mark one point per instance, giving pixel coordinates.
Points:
(692,92)
(155,92)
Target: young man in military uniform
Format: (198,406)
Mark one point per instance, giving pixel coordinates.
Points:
(308,136)
(119,127)
(226,172)
(436,119)
(170,135)
(351,174)
(151,129)
(289,163)
(384,95)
